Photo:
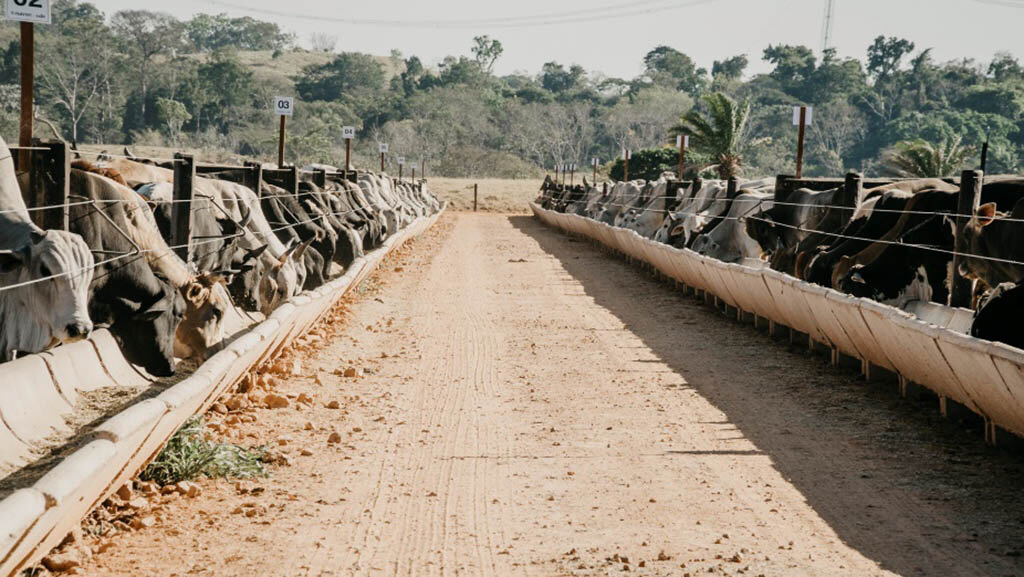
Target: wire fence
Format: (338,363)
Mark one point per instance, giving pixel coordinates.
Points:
(139,252)
(681,215)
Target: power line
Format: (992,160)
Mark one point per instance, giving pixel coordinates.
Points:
(606,12)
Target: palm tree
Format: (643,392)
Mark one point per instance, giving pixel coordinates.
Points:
(717,132)
(922,159)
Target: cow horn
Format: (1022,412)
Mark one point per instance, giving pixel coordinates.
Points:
(128,153)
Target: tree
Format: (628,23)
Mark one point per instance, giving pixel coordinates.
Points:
(208,33)
(794,66)
(80,64)
(717,131)
(351,77)
(173,115)
(1005,67)
(322,42)
(487,51)
(885,56)
(730,68)
(147,35)
(669,67)
(922,159)
(555,78)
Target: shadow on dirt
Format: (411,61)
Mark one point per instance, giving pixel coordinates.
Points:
(916,493)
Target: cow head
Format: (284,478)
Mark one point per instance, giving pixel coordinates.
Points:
(282,279)
(969,239)
(61,267)
(248,267)
(202,330)
(152,328)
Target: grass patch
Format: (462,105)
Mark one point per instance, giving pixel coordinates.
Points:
(189,455)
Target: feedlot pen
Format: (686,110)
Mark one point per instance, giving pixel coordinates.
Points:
(530,406)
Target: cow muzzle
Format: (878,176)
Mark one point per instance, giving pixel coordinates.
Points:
(78,331)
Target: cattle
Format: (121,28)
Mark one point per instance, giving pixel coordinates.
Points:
(1000,317)
(700,211)
(995,245)
(44,276)
(207,300)
(729,241)
(623,195)
(142,309)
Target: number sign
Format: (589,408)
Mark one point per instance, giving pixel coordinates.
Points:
(37,11)
(348,132)
(284,105)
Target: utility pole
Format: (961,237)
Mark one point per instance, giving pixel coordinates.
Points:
(827,26)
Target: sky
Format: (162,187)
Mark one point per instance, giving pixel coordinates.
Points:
(611,36)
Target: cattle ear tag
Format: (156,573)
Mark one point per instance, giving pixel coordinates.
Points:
(986,213)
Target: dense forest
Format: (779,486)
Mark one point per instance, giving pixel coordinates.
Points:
(146,78)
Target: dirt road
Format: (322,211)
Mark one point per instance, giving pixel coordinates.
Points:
(532,407)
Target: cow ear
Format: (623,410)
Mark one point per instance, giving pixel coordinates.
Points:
(678,230)
(986,213)
(11,259)
(197,294)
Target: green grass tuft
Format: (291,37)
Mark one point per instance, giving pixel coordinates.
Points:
(189,455)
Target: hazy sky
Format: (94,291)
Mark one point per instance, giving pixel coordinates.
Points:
(595,34)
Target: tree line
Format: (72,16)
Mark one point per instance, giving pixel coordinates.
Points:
(146,78)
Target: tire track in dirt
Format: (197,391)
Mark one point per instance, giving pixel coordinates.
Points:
(536,408)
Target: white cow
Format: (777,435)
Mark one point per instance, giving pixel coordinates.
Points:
(39,315)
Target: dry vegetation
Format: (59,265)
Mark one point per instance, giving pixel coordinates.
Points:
(495,194)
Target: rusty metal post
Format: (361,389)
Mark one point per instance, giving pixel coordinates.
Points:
(348,154)
(382,161)
(28,62)
(181,211)
(962,289)
(475,190)
(800,143)
(280,143)
(625,169)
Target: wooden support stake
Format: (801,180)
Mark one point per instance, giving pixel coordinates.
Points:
(181,211)
(28,62)
(348,154)
(382,162)
(682,155)
(967,204)
(800,143)
(50,184)
(625,169)
(475,190)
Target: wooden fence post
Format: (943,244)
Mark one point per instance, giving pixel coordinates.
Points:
(732,188)
(181,211)
(852,189)
(253,178)
(800,143)
(291,180)
(962,289)
(320,177)
(50,183)
(475,190)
